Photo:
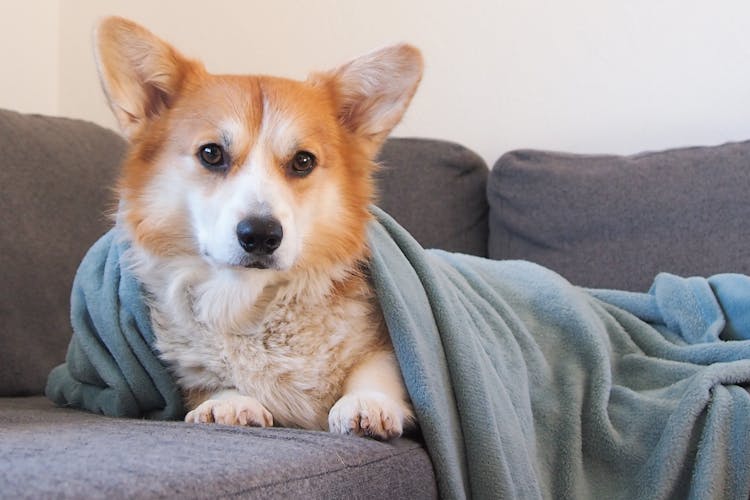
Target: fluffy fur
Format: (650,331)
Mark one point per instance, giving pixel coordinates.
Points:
(295,337)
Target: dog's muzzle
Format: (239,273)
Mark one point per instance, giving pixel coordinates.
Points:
(260,237)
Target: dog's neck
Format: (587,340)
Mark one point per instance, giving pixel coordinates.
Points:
(228,299)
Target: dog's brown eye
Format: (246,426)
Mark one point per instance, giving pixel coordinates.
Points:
(303,162)
(212,156)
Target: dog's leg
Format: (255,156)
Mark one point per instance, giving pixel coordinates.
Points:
(231,408)
(375,402)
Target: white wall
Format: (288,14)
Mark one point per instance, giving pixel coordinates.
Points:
(580,75)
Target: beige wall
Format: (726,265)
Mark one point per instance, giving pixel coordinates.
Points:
(29,66)
(580,75)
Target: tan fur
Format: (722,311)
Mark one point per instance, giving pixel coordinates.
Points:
(301,343)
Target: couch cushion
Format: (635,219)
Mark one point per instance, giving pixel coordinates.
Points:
(436,190)
(62,453)
(56,176)
(616,221)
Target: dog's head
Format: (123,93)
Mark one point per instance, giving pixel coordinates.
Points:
(249,171)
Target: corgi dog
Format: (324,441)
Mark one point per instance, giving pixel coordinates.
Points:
(244,200)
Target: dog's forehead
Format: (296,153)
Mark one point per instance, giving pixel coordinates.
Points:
(282,113)
(296,115)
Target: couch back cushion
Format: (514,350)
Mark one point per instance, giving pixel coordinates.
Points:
(437,191)
(56,176)
(616,221)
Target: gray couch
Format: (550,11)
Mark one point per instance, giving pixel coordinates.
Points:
(600,221)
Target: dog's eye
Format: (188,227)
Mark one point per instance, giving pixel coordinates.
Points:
(303,163)
(212,156)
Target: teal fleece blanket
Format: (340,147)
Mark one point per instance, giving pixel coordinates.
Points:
(111,366)
(524,385)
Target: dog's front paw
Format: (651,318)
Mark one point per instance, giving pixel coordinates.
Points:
(367,413)
(234,410)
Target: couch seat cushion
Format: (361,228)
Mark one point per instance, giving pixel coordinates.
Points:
(54,452)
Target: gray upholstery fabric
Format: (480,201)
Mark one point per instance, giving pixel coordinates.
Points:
(55,175)
(436,190)
(614,221)
(48,452)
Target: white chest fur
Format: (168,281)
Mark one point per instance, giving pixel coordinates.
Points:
(288,343)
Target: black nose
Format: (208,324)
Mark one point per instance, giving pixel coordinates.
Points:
(259,235)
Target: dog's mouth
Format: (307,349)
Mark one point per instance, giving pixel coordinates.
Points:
(255,265)
(253,262)
(245,262)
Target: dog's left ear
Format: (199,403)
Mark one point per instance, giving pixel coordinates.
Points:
(373,91)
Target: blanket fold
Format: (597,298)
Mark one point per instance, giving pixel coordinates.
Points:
(111,366)
(524,385)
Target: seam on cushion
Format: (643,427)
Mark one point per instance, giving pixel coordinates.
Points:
(299,434)
(344,467)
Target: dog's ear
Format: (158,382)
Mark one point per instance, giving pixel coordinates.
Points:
(140,73)
(373,91)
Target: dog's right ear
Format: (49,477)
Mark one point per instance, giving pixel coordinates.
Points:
(140,73)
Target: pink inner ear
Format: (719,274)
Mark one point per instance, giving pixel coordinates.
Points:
(375,90)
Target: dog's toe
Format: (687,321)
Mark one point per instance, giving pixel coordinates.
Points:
(370,414)
(237,410)
(203,414)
